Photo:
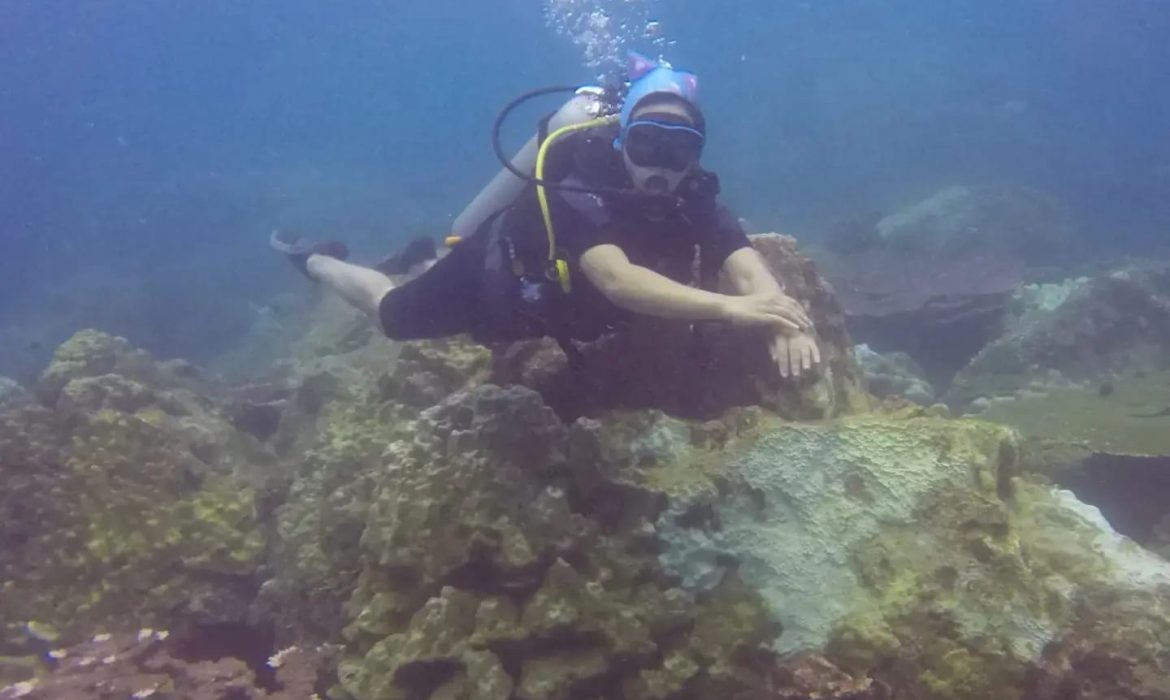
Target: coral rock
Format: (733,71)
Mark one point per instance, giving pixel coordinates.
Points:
(142,665)
(1117,323)
(127,501)
(10,391)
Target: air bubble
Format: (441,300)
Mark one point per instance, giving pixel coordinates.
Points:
(604,30)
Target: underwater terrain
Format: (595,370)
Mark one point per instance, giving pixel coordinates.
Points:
(218,482)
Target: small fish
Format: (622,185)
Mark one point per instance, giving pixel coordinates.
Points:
(653,29)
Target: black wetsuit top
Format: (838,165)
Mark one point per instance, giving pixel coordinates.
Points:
(474,289)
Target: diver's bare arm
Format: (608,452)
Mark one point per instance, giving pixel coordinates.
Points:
(644,291)
(360,286)
(744,272)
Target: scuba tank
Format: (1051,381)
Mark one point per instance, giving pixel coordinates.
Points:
(586,105)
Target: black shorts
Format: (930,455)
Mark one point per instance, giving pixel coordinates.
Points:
(461,293)
(444,300)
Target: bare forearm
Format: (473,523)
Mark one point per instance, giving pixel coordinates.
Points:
(746,273)
(644,291)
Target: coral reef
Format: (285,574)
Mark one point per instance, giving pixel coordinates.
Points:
(961,222)
(520,595)
(940,312)
(9,391)
(893,374)
(490,525)
(1117,323)
(902,547)
(934,280)
(1117,652)
(797,506)
(143,665)
(127,500)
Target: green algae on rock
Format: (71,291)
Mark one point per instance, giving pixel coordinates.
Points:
(795,504)
(902,547)
(485,557)
(121,503)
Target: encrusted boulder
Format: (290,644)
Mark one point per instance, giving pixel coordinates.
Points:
(10,391)
(152,664)
(1083,333)
(894,374)
(496,563)
(94,372)
(940,312)
(92,354)
(482,548)
(126,501)
(901,547)
(958,222)
(1119,651)
(700,372)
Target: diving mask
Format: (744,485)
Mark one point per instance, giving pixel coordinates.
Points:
(662,141)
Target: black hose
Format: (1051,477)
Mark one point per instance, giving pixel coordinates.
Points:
(503,116)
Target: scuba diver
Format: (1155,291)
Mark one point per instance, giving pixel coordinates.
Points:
(598,219)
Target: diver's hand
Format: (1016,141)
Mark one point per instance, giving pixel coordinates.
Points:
(794,352)
(766,309)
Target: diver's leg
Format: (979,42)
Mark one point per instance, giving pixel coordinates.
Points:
(360,286)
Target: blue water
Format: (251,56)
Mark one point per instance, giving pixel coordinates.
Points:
(147,148)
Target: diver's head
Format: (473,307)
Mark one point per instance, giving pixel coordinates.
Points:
(662,129)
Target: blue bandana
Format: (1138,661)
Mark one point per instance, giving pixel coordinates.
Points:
(648,77)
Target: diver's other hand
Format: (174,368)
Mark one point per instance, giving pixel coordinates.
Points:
(794,352)
(766,309)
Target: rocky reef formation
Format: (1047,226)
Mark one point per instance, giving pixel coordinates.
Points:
(894,374)
(961,222)
(940,312)
(127,501)
(934,279)
(1081,374)
(477,524)
(495,557)
(145,665)
(641,555)
(1085,332)
(9,391)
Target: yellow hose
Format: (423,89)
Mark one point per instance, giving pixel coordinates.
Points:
(561,266)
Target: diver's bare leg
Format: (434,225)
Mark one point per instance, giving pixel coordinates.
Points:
(360,286)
